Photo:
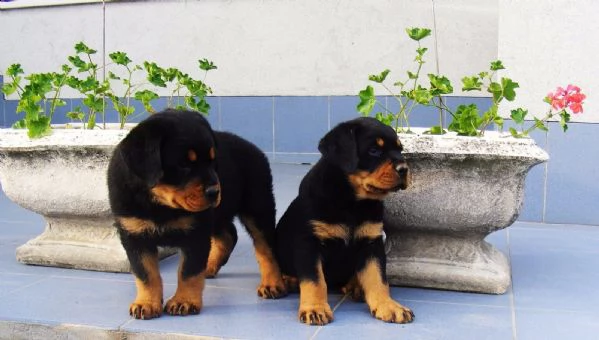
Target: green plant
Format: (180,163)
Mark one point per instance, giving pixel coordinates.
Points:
(38,98)
(467,120)
(39,94)
(182,85)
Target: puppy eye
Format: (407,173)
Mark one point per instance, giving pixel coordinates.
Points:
(375,152)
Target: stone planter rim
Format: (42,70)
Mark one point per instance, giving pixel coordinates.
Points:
(493,144)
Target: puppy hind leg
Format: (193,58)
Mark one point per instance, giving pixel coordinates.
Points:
(221,247)
(272,285)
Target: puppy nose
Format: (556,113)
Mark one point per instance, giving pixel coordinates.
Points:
(211,193)
(402,169)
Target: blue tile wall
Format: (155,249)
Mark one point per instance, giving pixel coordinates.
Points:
(572,176)
(299,123)
(1,103)
(249,117)
(288,129)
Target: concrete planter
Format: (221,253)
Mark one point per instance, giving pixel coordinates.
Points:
(463,189)
(63,178)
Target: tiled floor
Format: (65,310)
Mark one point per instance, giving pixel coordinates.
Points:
(555,295)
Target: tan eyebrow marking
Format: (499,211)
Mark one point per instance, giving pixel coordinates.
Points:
(212,153)
(380,142)
(192,155)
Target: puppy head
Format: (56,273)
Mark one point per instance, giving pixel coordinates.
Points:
(174,154)
(370,154)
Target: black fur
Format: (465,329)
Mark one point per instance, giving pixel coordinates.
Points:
(327,194)
(156,152)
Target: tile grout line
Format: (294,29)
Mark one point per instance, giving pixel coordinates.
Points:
(334,309)
(545,173)
(512,297)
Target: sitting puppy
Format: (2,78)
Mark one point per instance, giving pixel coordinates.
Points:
(174,182)
(332,233)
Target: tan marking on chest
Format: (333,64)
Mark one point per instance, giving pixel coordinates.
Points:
(325,231)
(369,230)
(138,226)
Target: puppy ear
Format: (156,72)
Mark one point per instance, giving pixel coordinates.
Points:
(339,147)
(141,152)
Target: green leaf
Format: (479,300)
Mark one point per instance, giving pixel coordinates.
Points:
(412,75)
(539,124)
(81,47)
(20,124)
(146,96)
(9,88)
(385,118)
(91,121)
(416,33)
(94,103)
(421,51)
(113,76)
(496,65)
(367,101)
(509,88)
(471,83)
(439,85)
(514,132)
(155,74)
(565,118)
(14,70)
(436,130)
(495,89)
(380,77)
(75,115)
(120,58)
(466,121)
(518,115)
(206,65)
(38,127)
(421,95)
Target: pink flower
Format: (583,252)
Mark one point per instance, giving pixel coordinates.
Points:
(570,98)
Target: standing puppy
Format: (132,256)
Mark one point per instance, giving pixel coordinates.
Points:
(174,182)
(332,233)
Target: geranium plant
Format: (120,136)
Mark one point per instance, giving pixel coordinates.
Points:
(39,94)
(466,120)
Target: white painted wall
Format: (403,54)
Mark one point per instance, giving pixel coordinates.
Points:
(546,44)
(263,47)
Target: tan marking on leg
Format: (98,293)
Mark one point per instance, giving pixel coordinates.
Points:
(188,296)
(291,283)
(369,230)
(353,290)
(314,308)
(136,226)
(148,302)
(271,285)
(326,231)
(376,294)
(220,250)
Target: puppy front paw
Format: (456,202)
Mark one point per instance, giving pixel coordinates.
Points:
(145,310)
(180,306)
(319,314)
(272,287)
(391,311)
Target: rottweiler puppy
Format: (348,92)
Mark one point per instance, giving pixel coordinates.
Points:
(332,233)
(175,182)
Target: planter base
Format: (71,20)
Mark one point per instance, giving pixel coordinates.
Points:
(80,244)
(460,262)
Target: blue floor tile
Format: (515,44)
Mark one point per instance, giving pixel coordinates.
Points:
(433,321)
(232,313)
(11,284)
(556,324)
(555,268)
(73,301)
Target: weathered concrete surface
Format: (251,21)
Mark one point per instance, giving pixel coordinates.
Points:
(63,178)
(15,330)
(462,189)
